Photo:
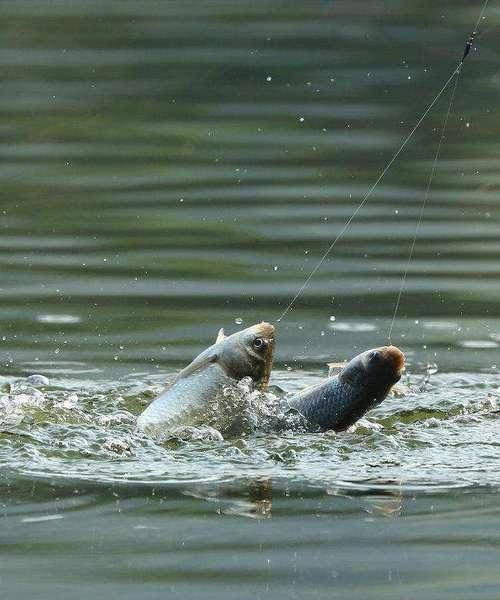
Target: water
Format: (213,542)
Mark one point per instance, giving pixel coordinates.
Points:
(168,168)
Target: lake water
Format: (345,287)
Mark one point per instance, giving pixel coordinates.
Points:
(169,168)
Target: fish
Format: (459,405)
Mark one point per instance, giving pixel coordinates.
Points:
(362,384)
(206,391)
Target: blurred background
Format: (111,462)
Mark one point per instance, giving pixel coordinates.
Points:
(171,167)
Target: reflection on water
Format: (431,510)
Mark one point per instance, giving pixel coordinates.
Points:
(315,545)
(168,168)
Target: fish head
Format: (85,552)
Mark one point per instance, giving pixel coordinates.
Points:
(377,369)
(249,353)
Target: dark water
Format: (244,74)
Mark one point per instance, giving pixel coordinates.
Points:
(168,168)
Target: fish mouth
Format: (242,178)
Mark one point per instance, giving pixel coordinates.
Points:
(396,357)
(267,332)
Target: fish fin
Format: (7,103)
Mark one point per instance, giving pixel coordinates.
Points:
(220,336)
(334,368)
(200,362)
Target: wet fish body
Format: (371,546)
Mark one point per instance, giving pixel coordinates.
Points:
(339,401)
(207,397)
(206,391)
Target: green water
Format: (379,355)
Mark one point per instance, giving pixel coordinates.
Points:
(168,168)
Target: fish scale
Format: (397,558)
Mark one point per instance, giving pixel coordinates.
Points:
(339,401)
(333,404)
(207,397)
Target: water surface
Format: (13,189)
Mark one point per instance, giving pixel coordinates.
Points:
(168,168)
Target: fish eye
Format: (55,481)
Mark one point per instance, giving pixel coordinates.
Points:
(259,344)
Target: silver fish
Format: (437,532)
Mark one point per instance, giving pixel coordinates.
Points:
(206,391)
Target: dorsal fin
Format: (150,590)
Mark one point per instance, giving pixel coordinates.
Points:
(334,368)
(220,336)
(204,359)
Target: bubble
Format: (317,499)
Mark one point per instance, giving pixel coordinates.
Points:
(238,320)
(332,318)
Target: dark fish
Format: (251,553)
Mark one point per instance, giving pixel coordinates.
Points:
(362,384)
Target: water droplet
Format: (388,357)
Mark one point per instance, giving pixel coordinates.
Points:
(269,78)
(332,318)
(238,320)
(431,368)
(275,268)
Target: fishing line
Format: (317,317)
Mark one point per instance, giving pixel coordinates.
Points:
(384,171)
(424,204)
(368,193)
(467,49)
